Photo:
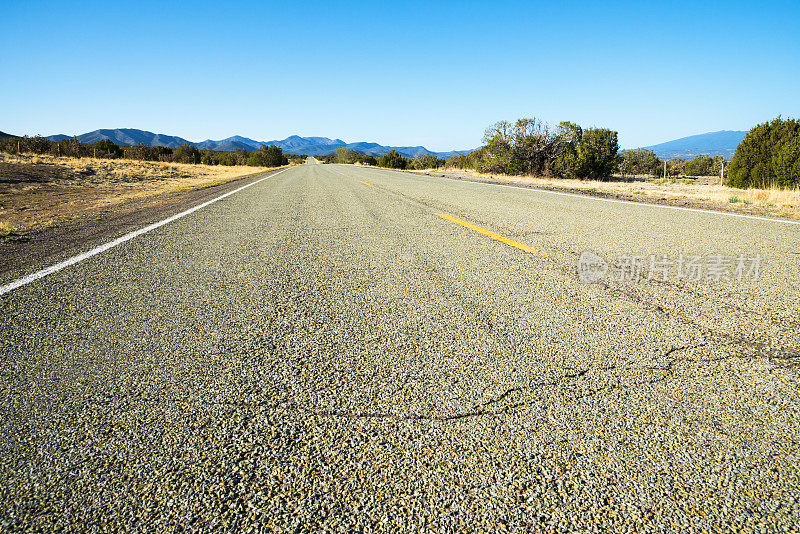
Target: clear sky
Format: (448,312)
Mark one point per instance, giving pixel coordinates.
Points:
(398,73)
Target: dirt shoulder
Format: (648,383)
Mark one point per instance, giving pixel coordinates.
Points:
(80,224)
(40,191)
(695,194)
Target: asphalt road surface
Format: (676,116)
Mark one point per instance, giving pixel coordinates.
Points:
(341,348)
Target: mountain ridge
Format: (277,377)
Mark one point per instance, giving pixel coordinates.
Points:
(722,143)
(294,144)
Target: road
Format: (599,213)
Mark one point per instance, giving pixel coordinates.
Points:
(337,348)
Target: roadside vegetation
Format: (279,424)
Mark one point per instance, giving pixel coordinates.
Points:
(350,156)
(762,177)
(769,156)
(393,160)
(265,156)
(296,159)
(37,190)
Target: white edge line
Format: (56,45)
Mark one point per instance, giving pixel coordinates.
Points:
(19,282)
(590,197)
(698,210)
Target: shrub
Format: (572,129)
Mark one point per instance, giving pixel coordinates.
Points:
(640,161)
(699,166)
(393,160)
(69,147)
(367,159)
(346,155)
(186,153)
(676,167)
(107,148)
(532,147)
(767,156)
(267,156)
(37,144)
(597,154)
(786,163)
(427,161)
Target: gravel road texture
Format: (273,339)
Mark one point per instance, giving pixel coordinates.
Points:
(323,352)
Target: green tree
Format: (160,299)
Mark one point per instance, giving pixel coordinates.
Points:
(497,154)
(640,161)
(69,147)
(427,161)
(345,155)
(186,153)
(597,156)
(107,148)
(460,161)
(267,156)
(240,156)
(537,147)
(210,157)
(699,166)
(786,163)
(565,158)
(754,163)
(530,146)
(393,160)
(675,167)
(227,158)
(36,144)
(367,159)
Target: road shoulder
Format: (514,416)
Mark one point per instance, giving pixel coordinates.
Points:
(625,191)
(42,247)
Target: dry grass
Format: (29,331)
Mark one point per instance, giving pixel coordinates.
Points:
(65,188)
(6,230)
(779,202)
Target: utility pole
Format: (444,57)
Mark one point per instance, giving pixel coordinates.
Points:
(722,172)
(665,169)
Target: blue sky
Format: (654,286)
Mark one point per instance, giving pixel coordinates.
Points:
(399,73)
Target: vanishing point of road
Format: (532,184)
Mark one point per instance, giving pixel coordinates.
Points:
(345,348)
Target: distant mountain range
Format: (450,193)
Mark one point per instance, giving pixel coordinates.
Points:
(313,146)
(721,143)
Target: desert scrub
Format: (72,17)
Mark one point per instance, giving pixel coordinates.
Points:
(10,233)
(68,187)
(662,181)
(5,230)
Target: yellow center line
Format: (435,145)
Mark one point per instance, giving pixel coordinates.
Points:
(365,183)
(493,235)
